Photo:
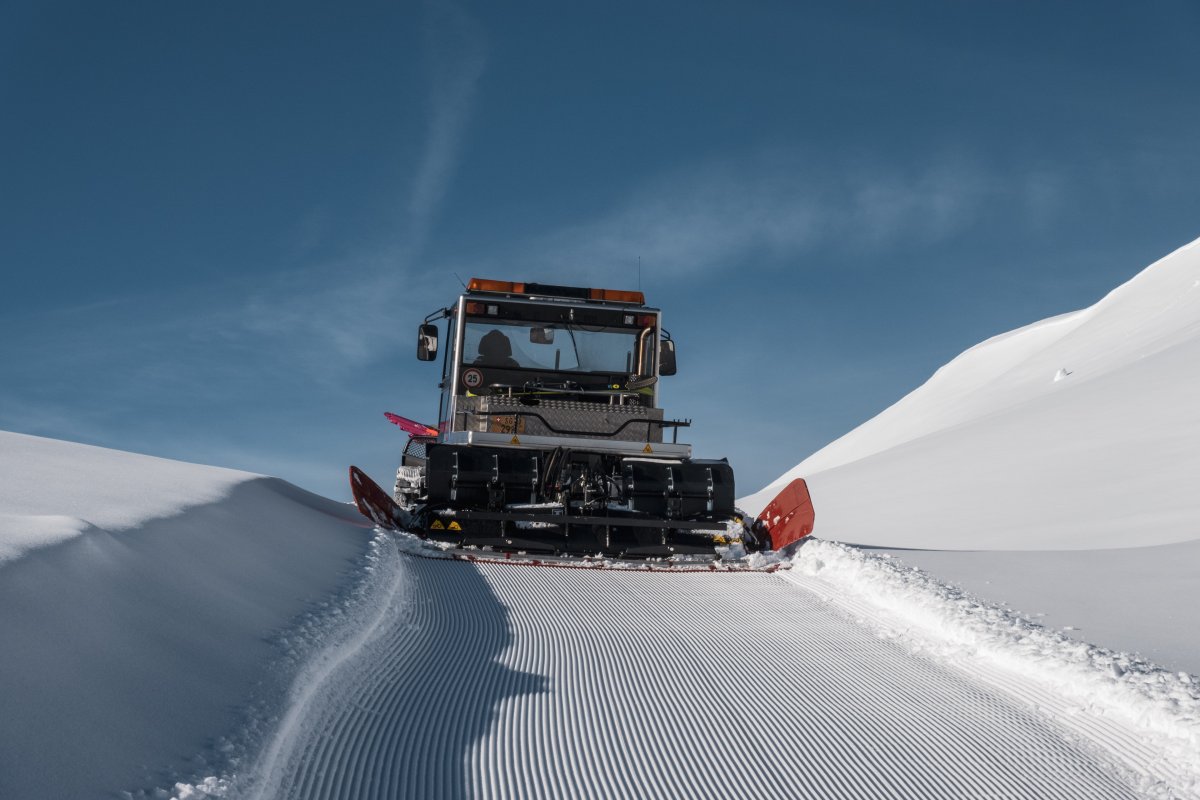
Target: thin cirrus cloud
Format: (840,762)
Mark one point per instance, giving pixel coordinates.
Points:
(323,316)
(330,306)
(702,218)
(456,54)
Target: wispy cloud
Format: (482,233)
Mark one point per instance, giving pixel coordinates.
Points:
(330,315)
(456,53)
(780,204)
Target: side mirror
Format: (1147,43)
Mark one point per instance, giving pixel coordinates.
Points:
(666,357)
(427,342)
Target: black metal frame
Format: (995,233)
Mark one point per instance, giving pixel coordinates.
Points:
(675,424)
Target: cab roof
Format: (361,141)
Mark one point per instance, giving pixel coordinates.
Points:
(484,286)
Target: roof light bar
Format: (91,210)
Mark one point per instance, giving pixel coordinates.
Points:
(548,290)
(504,287)
(618,296)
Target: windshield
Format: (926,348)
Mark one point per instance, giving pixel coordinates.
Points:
(550,347)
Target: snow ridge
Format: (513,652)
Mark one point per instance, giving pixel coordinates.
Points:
(99,489)
(341,637)
(1145,716)
(1080,432)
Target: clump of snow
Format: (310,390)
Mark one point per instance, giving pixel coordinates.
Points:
(1159,708)
(209,787)
(52,491)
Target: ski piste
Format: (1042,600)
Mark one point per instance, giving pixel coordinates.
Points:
(551,445)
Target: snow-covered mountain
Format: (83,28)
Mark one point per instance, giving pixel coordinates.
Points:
(1081,431)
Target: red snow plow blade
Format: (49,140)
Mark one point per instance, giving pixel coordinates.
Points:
(374,503)
(789,517)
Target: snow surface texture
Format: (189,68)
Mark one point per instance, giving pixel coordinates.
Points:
(158,641)
(994,453)
(500,680)
(52,491)
(1142,715)
(290,652)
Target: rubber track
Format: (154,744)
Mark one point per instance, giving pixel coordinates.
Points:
(501,681)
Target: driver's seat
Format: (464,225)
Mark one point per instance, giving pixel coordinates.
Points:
(495,350)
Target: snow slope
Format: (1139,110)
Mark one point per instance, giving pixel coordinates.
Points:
(265,644)
(151,612)
(173,630)
(1078,432)
(53,491)
(1052,468)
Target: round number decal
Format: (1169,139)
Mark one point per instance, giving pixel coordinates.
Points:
(472,378)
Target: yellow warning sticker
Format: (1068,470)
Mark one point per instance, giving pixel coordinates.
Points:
(515,440)
(647,449)
(454,526)
(437,525)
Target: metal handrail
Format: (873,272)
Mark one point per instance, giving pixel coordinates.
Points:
(676,424)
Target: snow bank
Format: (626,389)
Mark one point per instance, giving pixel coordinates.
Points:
(155,615)
(1077,432)
(52,491)
(1146,716)
(1051,468)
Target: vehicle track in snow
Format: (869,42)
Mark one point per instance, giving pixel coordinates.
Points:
(500,681)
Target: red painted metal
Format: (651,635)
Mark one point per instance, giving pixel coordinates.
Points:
(373,502)
(790,516)
(410,427)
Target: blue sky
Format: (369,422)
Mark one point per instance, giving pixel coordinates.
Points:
(220,223)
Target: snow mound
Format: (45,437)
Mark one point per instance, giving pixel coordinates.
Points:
(1081,431)
(52,491)
(148,645)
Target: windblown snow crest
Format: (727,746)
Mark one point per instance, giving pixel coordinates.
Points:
(1146,717)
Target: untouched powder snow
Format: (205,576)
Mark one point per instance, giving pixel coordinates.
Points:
(52,491)
(1077,432)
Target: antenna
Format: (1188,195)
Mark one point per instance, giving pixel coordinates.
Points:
(460,280)
(639,273)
